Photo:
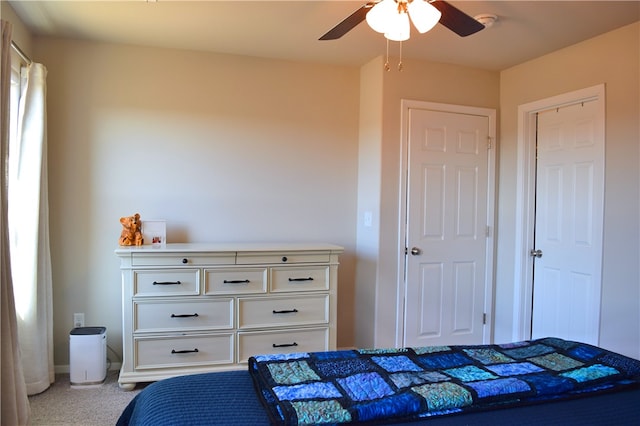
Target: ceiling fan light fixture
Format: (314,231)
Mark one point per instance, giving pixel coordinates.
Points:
(423,15)
(379,15)
(391,18)
(399,28)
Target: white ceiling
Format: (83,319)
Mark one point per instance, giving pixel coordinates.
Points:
(290,29)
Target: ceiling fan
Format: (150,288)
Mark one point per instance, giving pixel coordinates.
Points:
(452,18)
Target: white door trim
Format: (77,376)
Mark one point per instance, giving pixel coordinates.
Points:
(406,105)
(525,198)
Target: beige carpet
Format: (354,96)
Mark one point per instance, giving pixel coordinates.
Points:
(96,406)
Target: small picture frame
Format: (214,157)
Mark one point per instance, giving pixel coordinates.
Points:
(154,232)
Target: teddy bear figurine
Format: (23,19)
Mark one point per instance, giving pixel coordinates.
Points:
(131,231)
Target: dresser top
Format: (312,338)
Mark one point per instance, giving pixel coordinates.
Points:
(229,247)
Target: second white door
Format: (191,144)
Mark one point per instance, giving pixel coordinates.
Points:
(568,223)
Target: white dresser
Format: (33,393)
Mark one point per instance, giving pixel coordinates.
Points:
(194,308)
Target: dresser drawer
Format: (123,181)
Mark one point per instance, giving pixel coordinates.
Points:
(182,259)
(304,278)
(254,258)
(284,341)
(183,351)
(235,281)
(171,315)
(283,311)
(166,282)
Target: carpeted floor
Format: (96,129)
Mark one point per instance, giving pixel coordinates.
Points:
(91,406)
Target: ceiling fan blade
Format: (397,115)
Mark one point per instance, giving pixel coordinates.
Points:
(349,23)
(456,20)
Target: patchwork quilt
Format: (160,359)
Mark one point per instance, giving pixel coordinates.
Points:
(391,385)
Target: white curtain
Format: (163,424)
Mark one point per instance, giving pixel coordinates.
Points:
(29,231)
(15,405)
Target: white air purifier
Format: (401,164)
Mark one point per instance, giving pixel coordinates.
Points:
(87,356)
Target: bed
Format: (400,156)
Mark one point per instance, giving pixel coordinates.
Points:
(545,381)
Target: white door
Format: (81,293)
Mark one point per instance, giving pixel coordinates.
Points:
(447,230)
(568,223)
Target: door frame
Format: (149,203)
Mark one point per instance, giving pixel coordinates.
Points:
(406,105)
(525,197)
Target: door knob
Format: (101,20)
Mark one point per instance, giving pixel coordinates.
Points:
(536,253)
(415,251)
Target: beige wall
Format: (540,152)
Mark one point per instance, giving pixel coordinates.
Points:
(612,59)
(224,148)
(378,254)
(19,33)
(369,179)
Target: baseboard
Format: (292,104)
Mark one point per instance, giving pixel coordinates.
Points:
(64,369)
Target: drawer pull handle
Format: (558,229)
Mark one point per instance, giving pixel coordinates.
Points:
(185,260)
(286,311)
(301,279)
(167,283)
(236,281)
(285,345)
(184,315)
(186,351)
